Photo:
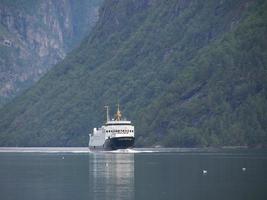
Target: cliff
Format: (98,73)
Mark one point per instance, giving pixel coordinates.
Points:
(187,73)
(35,35)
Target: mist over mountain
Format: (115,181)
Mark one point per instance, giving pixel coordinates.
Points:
(37,34)
(186,73)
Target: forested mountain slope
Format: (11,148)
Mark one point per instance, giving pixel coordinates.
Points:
(187,73)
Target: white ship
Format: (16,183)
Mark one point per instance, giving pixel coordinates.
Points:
(117,133)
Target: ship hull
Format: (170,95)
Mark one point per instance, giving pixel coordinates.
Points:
(115,143)
(119,143)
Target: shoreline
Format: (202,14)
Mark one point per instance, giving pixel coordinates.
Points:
(133,150)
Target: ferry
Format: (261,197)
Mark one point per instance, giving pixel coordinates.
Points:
(117,133)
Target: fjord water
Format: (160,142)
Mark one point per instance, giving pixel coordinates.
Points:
(136,174)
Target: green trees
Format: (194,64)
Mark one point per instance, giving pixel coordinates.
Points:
(186,73)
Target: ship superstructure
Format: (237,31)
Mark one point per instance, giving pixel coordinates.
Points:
(117,133)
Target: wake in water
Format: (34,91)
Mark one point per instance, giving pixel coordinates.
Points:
(85,150)
(126,151)
(131,151)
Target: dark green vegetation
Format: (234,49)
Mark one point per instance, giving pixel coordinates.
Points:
(187,73)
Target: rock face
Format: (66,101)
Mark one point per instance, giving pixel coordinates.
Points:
(186,73)
(35,35)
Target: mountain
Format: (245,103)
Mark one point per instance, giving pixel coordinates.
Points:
(37,34)
(187,73)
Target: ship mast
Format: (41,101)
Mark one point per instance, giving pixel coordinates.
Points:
(107,113)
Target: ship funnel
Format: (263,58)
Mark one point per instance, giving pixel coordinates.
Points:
(118,115)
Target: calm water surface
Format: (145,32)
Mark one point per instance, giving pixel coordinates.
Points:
(136,174)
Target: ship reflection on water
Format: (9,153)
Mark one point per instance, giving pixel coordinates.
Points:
(178,175)
(111,176)
(133,174)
